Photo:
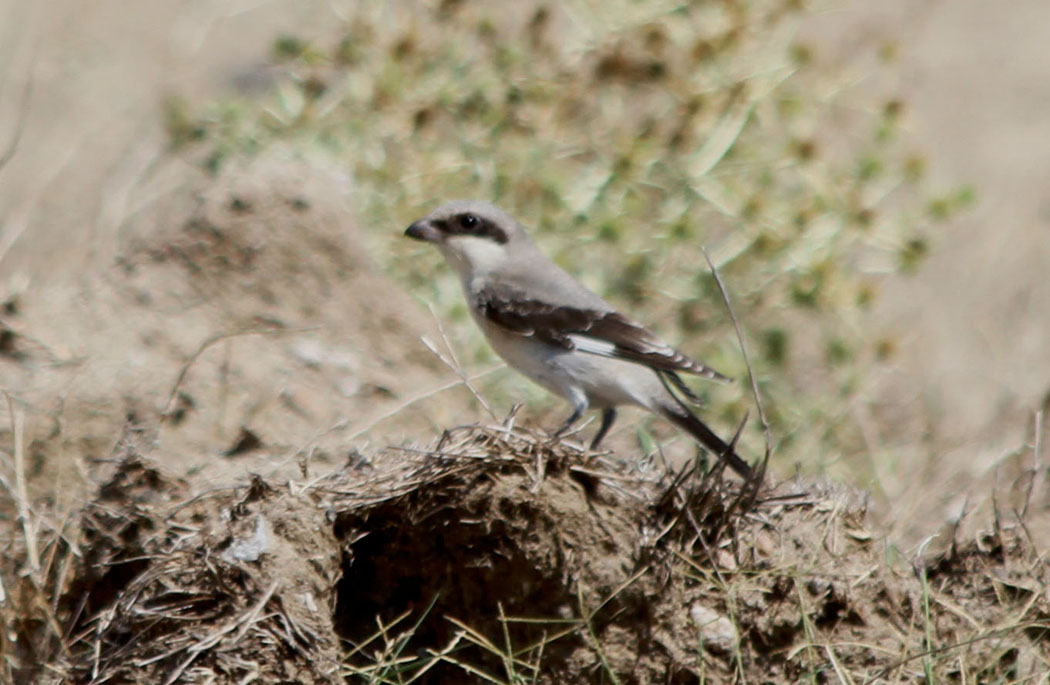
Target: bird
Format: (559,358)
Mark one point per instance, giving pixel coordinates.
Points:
(554,330)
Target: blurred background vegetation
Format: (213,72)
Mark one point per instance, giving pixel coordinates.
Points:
(629,136)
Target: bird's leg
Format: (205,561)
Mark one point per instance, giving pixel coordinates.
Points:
(577,411)
(608,418)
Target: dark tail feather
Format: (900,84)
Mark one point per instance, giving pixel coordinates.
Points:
(684,419)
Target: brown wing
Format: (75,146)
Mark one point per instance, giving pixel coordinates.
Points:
(604,333)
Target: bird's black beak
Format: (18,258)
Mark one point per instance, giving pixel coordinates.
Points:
(423,230)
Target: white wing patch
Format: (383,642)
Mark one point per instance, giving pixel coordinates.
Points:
(586,343)
(604,348)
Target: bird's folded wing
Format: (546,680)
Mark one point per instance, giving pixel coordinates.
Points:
(606,333)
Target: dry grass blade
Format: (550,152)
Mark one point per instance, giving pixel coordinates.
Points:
(505,655)
(754,483)
(594,638)
(23,116)
(384,628)
(1038,477)
(402,406)
(21,495)
(453,364)
(747,361)
(205,345)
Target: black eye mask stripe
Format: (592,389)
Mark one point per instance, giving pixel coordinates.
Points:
(480,227)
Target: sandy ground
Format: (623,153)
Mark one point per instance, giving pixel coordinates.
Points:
(973,322)
(93,126)
(981,310)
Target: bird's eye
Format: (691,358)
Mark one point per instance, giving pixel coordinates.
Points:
(468,221)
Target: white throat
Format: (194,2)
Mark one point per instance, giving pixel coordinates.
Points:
(473,257)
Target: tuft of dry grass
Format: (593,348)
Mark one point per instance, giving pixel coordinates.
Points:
(37,565)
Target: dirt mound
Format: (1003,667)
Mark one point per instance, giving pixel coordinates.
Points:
(298,337)
(221,585)
(242,316)
(499,555)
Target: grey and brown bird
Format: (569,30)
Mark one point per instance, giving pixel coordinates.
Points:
(550,327)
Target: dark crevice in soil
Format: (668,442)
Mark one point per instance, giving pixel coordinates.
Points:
(458,562)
